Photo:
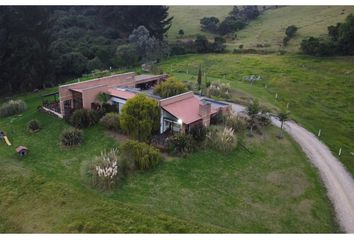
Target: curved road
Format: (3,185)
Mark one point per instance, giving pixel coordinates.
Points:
(339,183)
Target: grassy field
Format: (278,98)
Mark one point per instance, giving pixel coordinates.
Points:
(274,189)
(268,29)
(319,90)
(188,17)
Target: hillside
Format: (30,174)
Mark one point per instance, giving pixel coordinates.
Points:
(269,28)
(188,17)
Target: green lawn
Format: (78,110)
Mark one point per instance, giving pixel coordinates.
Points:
(319,90)
(275,189)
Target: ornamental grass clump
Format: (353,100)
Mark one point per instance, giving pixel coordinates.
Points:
(221,140)
(218,89)
(227,140)
(71,137)
(12,107)
(105,170)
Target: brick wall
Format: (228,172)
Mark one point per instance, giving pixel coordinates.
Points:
(204,112)
(126,79)
(177,98)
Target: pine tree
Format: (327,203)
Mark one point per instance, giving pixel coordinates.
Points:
(199,79)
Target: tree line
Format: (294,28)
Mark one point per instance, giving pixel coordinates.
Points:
(43,46)
(339,40)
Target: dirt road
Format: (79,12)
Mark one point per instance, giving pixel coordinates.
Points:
(337,180)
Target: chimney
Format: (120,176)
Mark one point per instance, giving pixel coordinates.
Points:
(204,113)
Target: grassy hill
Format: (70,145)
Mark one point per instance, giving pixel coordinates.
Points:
(188,17)
(268,30)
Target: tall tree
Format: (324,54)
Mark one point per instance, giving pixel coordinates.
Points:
(282,116)
(199,79)
(140,117)
(25,59)
(128,18)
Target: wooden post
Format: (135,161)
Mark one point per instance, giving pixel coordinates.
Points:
(319,133)
(340,152)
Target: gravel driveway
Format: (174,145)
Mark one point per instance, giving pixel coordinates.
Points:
(337,180)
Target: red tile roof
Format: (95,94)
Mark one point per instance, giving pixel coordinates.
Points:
(121,93)
(186,109)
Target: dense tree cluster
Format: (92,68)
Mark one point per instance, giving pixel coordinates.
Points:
(340,40)
(201,44)
(237,19)
(41,46)
(289,32)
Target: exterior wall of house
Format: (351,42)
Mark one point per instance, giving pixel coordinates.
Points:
(89,95)
(126,79)
(165,115)
(119,102)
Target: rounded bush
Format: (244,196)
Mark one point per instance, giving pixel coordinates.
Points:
(198,132)
(111,121)
(71,137)
(180,144)
(33,125)
(84,118)
(139,155)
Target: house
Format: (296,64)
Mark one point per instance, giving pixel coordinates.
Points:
(83,94)
(178,113)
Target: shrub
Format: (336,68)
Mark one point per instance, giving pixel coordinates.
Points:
(84,118)
(33,125)
(170,88)
(111,121)
(12,107)
(140,117)
(139,155)
(227,140)
(104,171)
(218,118)
(71,137)
(223,141)
(235,122)
(180,144)
(218,89)
(198,132)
